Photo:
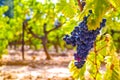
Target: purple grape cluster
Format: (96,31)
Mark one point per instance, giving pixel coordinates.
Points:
(83,39)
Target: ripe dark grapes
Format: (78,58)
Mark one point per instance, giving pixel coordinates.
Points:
(83,3)
(83,39)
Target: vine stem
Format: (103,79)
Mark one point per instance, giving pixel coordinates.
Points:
(96,53)
(95,58)
(80,5)
(95,61)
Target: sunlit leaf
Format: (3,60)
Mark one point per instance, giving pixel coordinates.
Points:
(78,74)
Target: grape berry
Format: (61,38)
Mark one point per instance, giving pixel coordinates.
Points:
(83,39)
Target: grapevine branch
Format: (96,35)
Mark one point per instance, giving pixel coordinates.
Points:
(33,34)
(113,31)
(44,27)
(95,61)
(80,5)
(52,30)
(44,37)
(44,30)
(55,28)
(23,41)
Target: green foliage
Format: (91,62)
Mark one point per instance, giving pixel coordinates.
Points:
(68,8)
(115,4)
(99,8)
(102,62)
(78,74)
(3,45)
(39,14)
(103,56)
(4,31)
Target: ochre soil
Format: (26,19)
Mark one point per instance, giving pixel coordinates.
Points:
(35,66)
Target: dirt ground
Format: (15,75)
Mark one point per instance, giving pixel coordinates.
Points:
(35,67)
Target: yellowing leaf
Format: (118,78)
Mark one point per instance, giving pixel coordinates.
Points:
(115,4)
(78,74)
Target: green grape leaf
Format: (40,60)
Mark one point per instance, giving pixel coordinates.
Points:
(112,62)
(115,4)
(113,69)
(9,35)
(78,74)
(69,9)
(99,10)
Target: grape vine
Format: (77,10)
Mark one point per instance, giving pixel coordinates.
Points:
(84,40)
